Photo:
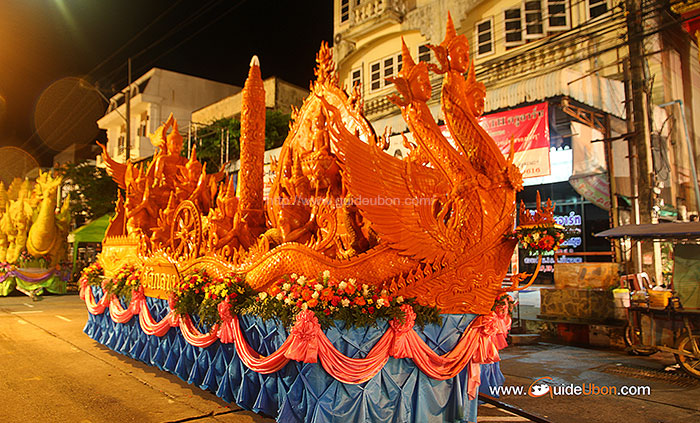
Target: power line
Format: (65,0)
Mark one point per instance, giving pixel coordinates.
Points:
(172,31)
(566,42)
(194,34)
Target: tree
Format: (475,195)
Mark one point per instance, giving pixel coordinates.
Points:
(209,137)
(93,192)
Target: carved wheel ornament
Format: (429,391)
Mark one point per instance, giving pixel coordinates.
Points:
(186,231)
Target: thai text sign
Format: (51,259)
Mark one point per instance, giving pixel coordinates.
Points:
(529,128)
(159,280)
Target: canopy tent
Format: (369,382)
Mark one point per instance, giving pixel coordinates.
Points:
(91,232)
(659,231)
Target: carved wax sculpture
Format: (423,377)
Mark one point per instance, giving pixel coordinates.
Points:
(432,225)
(28,219)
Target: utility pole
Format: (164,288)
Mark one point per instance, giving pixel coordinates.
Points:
(640,109)
(632,157)
(641,137)
(128,111)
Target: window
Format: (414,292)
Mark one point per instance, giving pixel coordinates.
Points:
(514,27)
(534,25)
(344,10)
(356,78)
(143,125)
(423,53)
(484,37)
(121,141)
(557,15)
(597,8)
(383,69)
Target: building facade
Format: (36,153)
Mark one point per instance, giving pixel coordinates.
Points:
(556,68)
(154,96)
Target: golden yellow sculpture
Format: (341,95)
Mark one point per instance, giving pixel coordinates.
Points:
(432,225)
(28,219)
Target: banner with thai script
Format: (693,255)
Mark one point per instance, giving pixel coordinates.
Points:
(529,128)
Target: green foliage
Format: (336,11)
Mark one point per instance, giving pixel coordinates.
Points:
(127,279)
(94,192)
(276,128)
(209,137)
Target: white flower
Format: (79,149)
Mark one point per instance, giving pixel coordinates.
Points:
(301,280)
(345,302)
(318,287)
(315,294)
(262,295)
(293,275)
(399,299)
(342,285)
(352,280)
(286,287)
(288,301)
(326,274)
(365,290)
(304,306)
(380,302)
(279,296)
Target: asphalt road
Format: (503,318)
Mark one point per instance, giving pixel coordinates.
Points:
(50,371)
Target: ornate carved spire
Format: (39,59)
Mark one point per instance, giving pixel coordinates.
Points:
(253,145)
(325,67)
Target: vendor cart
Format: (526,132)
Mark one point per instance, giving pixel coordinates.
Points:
(669,319)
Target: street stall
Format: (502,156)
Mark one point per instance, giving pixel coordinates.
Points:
(33,237)
(87,242)
(665,318)
(365,288)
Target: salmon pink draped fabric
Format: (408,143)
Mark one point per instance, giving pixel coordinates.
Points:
(307,343)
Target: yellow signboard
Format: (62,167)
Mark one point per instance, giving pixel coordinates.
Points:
(159,280)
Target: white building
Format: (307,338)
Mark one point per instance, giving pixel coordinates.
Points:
(154,96)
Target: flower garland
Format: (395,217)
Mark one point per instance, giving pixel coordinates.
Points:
(125,281)
(25,259)
(198,294)
(357,304)
(505,303)
(92,275)
(540,238)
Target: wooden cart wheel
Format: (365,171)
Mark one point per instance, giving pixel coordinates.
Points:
(688,361)
(186,231)
(633,341)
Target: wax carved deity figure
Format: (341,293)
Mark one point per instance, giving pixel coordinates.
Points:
(432,225)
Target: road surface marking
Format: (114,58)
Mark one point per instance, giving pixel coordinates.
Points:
(28,305)
(64,318)
(27,312)
(501,419)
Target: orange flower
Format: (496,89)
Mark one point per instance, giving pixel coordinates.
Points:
(360,301)
(350,289)
(327,294)
(306,294)
(312,303)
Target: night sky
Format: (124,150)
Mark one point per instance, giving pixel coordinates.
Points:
(46,45)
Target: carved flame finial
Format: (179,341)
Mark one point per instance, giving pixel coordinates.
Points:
(450,31)
(325,67)
(543,216)
(407,61)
